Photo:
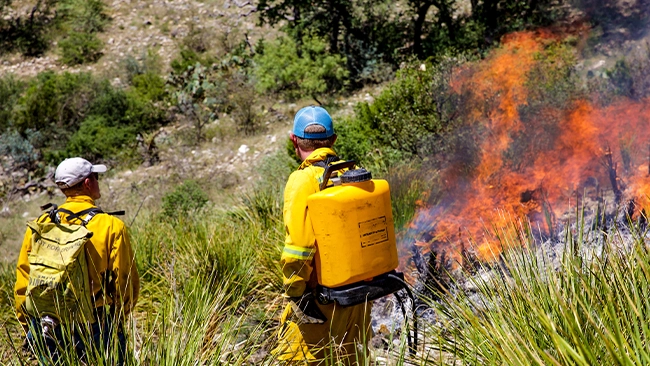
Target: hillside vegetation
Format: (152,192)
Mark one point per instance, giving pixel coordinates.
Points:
(196,135)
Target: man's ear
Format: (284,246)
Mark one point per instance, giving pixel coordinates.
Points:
(294,140)
(334,139)
(86,185)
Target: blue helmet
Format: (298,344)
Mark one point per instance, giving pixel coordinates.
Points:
(312,115)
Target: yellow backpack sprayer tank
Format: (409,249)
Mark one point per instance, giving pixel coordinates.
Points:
(356,254)
(353,223)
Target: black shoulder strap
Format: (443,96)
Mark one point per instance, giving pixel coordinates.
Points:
(52,214)
(329,159)
(91,212)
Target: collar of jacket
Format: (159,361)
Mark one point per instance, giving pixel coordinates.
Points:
(317,155)
(80,199)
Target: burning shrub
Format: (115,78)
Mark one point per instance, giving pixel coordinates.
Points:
(558,303)
(524,142)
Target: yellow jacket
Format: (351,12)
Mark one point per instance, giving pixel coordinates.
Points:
(300,242)
(109,253)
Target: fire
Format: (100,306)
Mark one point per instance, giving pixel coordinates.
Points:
(532,167)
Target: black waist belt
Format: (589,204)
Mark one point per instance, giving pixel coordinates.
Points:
(360,292)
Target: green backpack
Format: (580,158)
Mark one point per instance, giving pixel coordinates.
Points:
(58,270)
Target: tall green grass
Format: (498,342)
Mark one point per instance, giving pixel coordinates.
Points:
(209,286)
(211,283)
(589,306)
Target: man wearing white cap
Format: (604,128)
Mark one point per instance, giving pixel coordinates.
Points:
(113,280)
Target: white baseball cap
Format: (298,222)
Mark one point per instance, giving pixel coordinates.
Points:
(73,170)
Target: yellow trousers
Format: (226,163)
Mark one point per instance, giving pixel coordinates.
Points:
(341,340)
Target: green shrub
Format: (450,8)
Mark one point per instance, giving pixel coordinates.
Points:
(411,185)
(553,79)
(185,199)
(19,148)
(80,48)
(189,58)
(282,69)
(86,16)
(291,151)
(82,19)
(149,86)
(408,119)
(552,83)
(356,140)
(76,113)
(108,102)
(148,63)
(28,32)
(243,102)
(111,132)
(630,77)
(96,139)
(10,91)
(55,104)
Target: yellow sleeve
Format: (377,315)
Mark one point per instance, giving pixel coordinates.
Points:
(299,243)
(122,264)
(22,278)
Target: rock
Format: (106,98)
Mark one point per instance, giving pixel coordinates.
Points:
(598,64)
(243,149)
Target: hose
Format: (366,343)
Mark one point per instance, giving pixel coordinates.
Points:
(414,344)
(408,334)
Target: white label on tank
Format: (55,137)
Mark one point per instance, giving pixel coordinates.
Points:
(373,231)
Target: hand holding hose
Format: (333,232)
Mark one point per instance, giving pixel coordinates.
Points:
(306,309)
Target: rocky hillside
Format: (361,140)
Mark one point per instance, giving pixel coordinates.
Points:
(137,26)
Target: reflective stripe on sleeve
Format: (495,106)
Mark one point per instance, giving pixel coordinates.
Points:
(295,252)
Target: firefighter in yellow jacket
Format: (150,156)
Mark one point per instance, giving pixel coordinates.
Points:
(312,333)
(113,277)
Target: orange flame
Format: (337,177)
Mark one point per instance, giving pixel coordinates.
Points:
(565,155)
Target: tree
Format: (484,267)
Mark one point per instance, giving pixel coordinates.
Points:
(368,33)
(362,31)
(445,9)
(26,33)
